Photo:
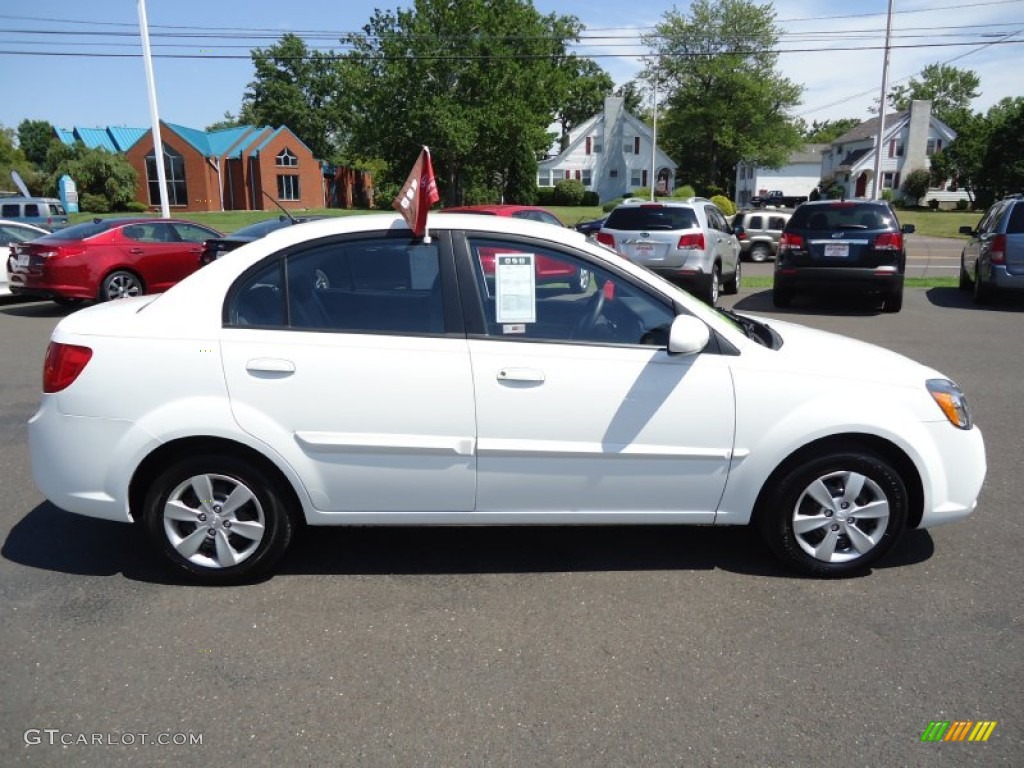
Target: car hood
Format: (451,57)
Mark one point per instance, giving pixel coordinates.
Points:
(823,353)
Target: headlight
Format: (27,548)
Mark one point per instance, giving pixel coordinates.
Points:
(952,401)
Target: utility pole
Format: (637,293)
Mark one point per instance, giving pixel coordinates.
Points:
(876,182)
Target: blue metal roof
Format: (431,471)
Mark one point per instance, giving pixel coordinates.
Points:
(221,141)
(248,141)
(198,139)
(95,138)
(124,138)
(275,133)
(66,136)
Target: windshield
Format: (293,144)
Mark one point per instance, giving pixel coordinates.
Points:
(260,228)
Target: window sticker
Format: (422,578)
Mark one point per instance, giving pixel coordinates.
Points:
(515,288)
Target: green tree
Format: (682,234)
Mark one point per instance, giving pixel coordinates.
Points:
(246,116)
(1002,165)
(950,90)
(12,158)
(478,81)
(726,101)
(916,184)
(96,172)
(634,98)
(827,131)
(585,89)
(34,137)
(302,89)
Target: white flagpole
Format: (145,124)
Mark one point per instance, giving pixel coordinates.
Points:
(154,115)
(426,218)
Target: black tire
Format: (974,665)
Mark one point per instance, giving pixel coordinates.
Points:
(982,292)
(965,279)
(711,290)
(220,554)
(782,297)
(797,525)
(120,284)
(894,301)
(732,285)
(760,252)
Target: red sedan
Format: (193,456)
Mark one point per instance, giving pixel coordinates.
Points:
(107,259)
(548,270)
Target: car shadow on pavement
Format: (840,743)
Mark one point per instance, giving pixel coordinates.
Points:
(830,304)
(50,539)
(954,298)
(38,309)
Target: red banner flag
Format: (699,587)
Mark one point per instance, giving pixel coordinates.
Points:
(417,195)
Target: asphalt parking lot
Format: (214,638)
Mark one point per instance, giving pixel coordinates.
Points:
(527,647)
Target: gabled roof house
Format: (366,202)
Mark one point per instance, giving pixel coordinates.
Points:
(909,139)
(610,153)
(230,169)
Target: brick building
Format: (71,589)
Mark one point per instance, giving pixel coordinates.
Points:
(230,169)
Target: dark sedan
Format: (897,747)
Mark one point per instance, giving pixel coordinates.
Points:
(216,247)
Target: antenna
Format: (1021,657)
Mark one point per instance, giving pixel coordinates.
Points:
(290,217)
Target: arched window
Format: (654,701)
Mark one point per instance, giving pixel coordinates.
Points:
(287,159)
(174,172)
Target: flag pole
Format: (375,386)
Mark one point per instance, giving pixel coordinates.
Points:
(426,224)
(154,116)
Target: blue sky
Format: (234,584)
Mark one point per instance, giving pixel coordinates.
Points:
(89,90)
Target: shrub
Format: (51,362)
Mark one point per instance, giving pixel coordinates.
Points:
(134,206)
(725,204)
(91,203)
(684,192)
(933,204)
(384,195)
(915,185)
(607,207)
(591,198)
(888,195)
(569,192)
(545,195)
(963,204)
(712,191)
(481,194)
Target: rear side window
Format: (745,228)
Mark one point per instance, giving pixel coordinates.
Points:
(777,222)
(651,217)
(1015,224)
(81,231)
(10,211)
(31,210)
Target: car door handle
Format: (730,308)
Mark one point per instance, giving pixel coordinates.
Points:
(521,374)
(135,251)
(270,365)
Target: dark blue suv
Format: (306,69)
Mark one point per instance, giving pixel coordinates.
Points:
(842,244)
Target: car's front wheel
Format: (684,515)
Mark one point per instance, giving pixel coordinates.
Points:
(218,518)
(836,514)
(120,284)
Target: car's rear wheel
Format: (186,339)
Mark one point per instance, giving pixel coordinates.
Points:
(836,514)
(782,297)
(894,301)
(732,285)
(714,286)
(982,292)
(760,252)
(121,284)
(580,282)
(218,518)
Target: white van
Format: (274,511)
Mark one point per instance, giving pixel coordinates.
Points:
(47,212)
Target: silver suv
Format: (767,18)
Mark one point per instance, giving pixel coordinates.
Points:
(993,259)
(689,242)
(759,233)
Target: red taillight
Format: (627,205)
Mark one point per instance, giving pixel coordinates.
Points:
(64,362)
(791,242)
(889,241)
(606,239)
(692,241)
(997,249)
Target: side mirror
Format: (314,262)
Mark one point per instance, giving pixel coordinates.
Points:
(966,230)
(688,336)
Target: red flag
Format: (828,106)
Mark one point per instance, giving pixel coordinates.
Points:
(417,195)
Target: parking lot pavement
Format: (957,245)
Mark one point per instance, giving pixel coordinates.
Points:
(526,647)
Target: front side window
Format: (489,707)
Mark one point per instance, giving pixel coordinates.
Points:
(379,285)
(174,173)
(534,292)
(31,209)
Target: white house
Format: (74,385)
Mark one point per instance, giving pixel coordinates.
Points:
(797,178)
(909,139)
(611,154)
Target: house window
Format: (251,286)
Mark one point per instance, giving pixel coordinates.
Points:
(887,179)
(636,179)
(598,146)
(544,177)
(174,174)
(287,160)
(934,145)
(287,187)
(627,144)
(586,177)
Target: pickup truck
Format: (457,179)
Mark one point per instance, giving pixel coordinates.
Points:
(777,199)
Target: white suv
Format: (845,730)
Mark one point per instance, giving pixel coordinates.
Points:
(689,242)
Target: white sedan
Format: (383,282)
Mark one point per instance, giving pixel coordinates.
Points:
(12,232)
(341,372)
